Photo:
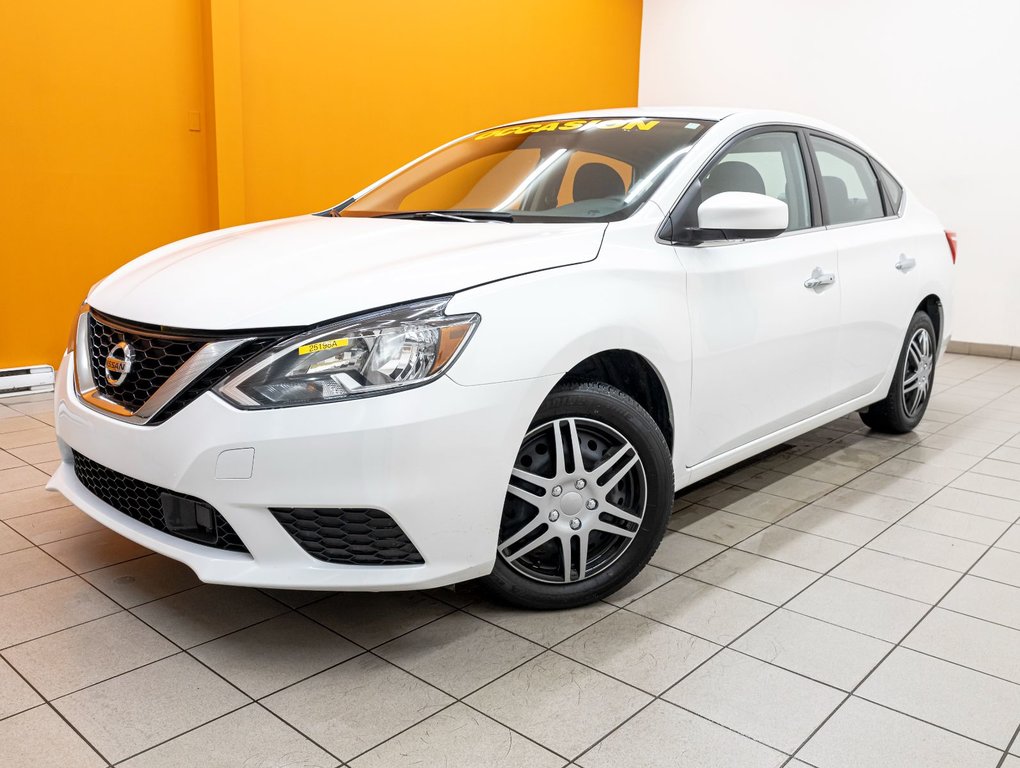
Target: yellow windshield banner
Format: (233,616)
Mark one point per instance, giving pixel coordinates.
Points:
(319,346)
(624,124)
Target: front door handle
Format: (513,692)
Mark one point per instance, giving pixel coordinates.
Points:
(819,279)
(905,264)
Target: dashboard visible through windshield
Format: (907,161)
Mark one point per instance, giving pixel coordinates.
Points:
(578,169)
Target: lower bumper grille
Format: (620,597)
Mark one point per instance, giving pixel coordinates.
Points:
(349,536)
(146,503)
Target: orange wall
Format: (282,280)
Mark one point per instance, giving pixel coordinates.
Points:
(96,160)
(301,104)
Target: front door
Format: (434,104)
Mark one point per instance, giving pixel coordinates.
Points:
(764,314)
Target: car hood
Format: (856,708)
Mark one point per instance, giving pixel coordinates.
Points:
(307,269)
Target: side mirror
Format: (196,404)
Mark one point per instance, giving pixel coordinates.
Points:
(737,216)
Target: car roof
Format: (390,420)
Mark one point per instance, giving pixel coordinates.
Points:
(734,117)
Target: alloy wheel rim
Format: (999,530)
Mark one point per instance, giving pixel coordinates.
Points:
(917,371)
(566,520)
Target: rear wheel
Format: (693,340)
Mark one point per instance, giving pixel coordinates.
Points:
(905,404)
(588,500)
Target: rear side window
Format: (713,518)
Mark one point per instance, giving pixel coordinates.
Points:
(893,190)
(849,186)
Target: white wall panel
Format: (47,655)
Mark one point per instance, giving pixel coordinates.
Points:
(933,88)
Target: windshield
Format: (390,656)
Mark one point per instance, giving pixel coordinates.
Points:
(562,170)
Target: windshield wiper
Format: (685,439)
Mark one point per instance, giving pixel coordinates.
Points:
(451,215)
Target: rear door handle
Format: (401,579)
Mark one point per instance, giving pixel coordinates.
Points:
(905,263)
(819,278)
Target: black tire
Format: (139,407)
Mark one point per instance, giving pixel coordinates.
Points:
(900,412)
(585,406)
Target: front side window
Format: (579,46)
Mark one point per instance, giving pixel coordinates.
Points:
(766,164)
(849,187)
(598,169)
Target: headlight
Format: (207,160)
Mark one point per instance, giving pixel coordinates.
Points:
(391,349)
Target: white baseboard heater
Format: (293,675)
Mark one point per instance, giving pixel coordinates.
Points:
(25,381)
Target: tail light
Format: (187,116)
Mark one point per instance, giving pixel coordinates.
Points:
(951,239)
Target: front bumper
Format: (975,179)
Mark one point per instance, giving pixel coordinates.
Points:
(435,458)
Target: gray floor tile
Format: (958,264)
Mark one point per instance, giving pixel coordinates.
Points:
(15,694)
(716,525)
(953,697)
(898,575)
(976,448)
(665,736)
(458,737)
(650,578)
(39,737)
(370,618)
(832,524)
(974,643)
(865,734)
(143,579)
(754,504)
(543,627)
(759,700)
(862,609)
(999,565)
(798,548)
(644,653)
(823,652)
(997,468)
(795,487)
(926,547)
(458,653)
(39,611)
(949,522)
(754,576)
(972,481)
(533,698)
(937,458)
(819,469)
(873,505)
(980,504)
(702,609)
(856,452)
(248,737)
(916,470)
(984,599)
(894,487)
(25,568)
(73,658)
(353,707)
(679,552)
(54,525)
(1010,539)
(142,708)
(272,654)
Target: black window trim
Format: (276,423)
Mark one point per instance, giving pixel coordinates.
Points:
(804,133)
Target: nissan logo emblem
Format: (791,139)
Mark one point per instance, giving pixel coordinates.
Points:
(118,363)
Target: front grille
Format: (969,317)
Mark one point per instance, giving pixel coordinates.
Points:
(156,359)
(158,354)
(141,501)
(349,536)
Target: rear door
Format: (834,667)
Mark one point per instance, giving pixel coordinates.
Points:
(763,341)
(877,263)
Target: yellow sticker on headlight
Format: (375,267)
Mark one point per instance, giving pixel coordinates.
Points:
(319,346)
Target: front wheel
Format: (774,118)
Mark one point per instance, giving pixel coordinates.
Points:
(588,500)
(905,404)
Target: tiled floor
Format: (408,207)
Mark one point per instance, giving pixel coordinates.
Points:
(853,600)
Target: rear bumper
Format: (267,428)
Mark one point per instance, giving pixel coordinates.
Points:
(435,458)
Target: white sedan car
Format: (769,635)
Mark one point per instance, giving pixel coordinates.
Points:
(504,359)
